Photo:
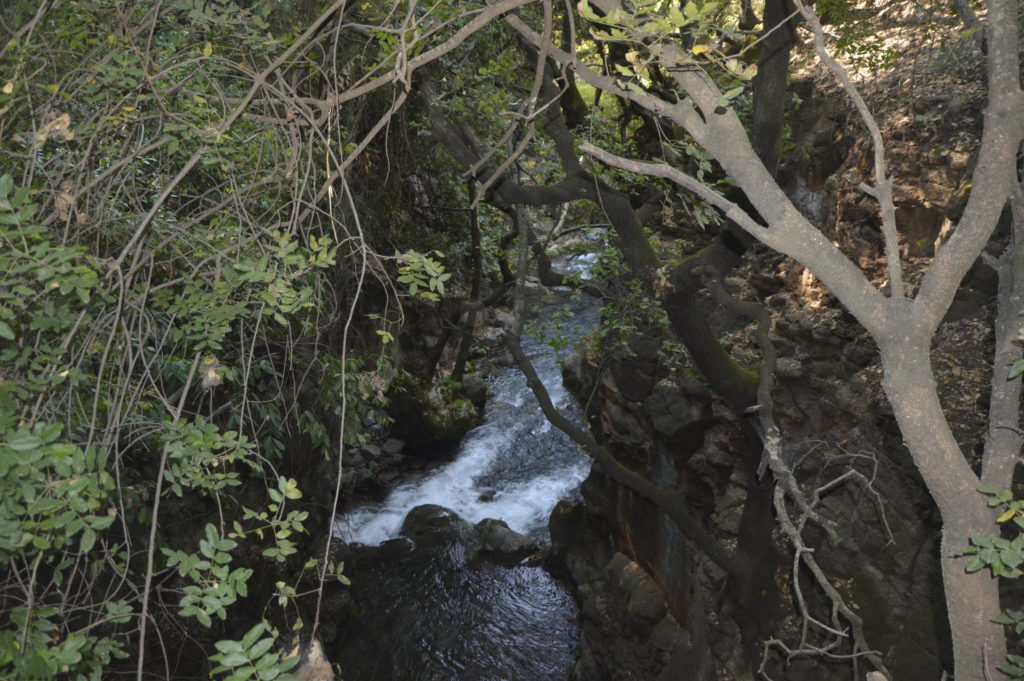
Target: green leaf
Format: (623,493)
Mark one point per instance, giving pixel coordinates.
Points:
(252,636)
(267,661)
(269,674)
(235,659)
(975,564)
(241,674)
(260,648)
(1016,369)
(234,646)
(24,442)
(1012,558)
(88,540)
(102,522)
(51,432)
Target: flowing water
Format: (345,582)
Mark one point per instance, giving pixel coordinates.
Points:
(430,615)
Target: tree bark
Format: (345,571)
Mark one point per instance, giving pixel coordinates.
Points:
(972,600)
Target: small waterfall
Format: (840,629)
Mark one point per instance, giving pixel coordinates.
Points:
(514,467)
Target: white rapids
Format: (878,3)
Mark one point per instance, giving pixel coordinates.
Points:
(514,467)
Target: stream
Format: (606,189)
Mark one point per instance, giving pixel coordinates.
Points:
(431,614)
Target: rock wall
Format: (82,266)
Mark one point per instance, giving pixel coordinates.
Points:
(684,616)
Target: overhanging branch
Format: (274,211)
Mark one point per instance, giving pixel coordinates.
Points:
(668,501)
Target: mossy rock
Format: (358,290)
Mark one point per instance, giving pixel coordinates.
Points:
(433,416)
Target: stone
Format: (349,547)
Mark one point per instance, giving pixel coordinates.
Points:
(315,665)
(474,389)
(667,633)
(633,379)
(423,416)
(371,452)
(392,448)
(672,414)
(788,367)
(503,319)
(501,544)
(645,601)
(433,525)
(576,544)
(396,548)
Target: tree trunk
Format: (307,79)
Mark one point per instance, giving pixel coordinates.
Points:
(476,255)
(972,600)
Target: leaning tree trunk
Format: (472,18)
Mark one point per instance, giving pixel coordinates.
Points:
(972,600)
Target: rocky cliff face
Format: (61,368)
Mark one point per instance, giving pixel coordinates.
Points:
(653,606)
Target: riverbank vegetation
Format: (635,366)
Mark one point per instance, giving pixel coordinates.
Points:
(231,231)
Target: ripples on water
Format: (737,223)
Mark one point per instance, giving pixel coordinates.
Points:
(425,620)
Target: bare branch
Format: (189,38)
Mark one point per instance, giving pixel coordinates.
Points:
(667,500)
(729,208)
(994,177)
(882,191)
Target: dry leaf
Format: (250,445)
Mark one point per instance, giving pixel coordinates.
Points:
(65,204)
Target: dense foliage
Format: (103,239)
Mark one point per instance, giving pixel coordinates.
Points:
(219,220)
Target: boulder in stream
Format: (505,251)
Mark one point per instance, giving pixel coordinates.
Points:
(432,525)
(501,544)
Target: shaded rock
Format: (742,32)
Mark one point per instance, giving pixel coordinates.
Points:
(396,548)
(667,633)
(348,478)
(645,600)
(501,544)
(576,542)
(503,318)
(435,416)
(634,379)
(788,367)
(368,485)
(679,418)
(474,389)
(371,452)
(433,525)
(392,448)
